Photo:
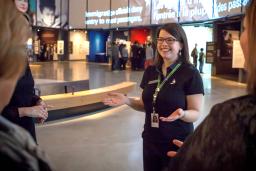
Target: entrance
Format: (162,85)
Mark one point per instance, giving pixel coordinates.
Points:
(199,35)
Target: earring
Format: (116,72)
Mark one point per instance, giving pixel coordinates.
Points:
(180,52)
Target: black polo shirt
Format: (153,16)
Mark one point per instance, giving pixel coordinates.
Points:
(185,81)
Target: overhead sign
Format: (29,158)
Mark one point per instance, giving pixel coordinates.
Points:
(164,11)
(223,8)
(195,10)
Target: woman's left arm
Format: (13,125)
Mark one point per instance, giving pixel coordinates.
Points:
(194,104)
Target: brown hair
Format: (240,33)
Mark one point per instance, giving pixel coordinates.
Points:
(13,36)
(251,63)
(177,31)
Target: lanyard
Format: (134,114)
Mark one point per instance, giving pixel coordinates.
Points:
(160,85)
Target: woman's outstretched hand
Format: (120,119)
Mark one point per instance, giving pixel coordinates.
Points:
(177,114)
(178,143)
(115,99)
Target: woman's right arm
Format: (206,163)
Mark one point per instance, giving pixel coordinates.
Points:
(136,103)
(117,99)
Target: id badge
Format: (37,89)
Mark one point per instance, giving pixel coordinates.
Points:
(154,120)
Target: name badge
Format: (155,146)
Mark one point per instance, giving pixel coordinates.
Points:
(152,81)
(154,120)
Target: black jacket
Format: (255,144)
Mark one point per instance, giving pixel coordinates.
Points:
(23,96)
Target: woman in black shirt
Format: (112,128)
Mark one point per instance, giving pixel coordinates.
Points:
(24,105)
(172,91)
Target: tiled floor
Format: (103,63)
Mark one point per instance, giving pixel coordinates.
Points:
(107,140)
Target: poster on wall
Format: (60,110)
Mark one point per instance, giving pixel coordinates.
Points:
(50,14)
(60,47)
(238,56)
(139,12)
(119,13)
(226,48)
(211,52)
(223,8)
(36,46)
(98,14)
(70,47)
(164,12)
(195,10)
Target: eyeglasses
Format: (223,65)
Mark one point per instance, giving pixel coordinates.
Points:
(168,40)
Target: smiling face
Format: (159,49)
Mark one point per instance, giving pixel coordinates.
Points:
(168,46)
(22,5)
(244,40)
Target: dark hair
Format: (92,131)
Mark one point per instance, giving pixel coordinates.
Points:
(47,4)
(176,31)
(202,49)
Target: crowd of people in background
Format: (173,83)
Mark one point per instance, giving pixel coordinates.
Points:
(142,56)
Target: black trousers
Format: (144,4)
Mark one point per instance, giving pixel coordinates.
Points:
(155,156)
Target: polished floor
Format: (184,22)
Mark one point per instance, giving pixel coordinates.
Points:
(107,140)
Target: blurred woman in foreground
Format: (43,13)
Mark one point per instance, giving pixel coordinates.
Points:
(18,151)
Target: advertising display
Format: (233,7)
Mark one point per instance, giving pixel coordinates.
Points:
(98,14)
(195,10)
(139,13)
(51,13)
(223,8)
(164,11)
(119,13)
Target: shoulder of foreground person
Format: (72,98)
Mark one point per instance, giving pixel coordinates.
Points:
(18,150)
(225,140)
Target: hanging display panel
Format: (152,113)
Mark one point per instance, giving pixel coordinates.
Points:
(164,11)
(98,14)
(119,13)
(50,13)
(139,12)
(77,11)
(223,8)
(195,10)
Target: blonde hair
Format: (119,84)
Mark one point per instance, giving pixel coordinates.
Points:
(251,64)
(14,31)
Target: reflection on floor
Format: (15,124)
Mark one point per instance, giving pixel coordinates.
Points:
(108,140)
